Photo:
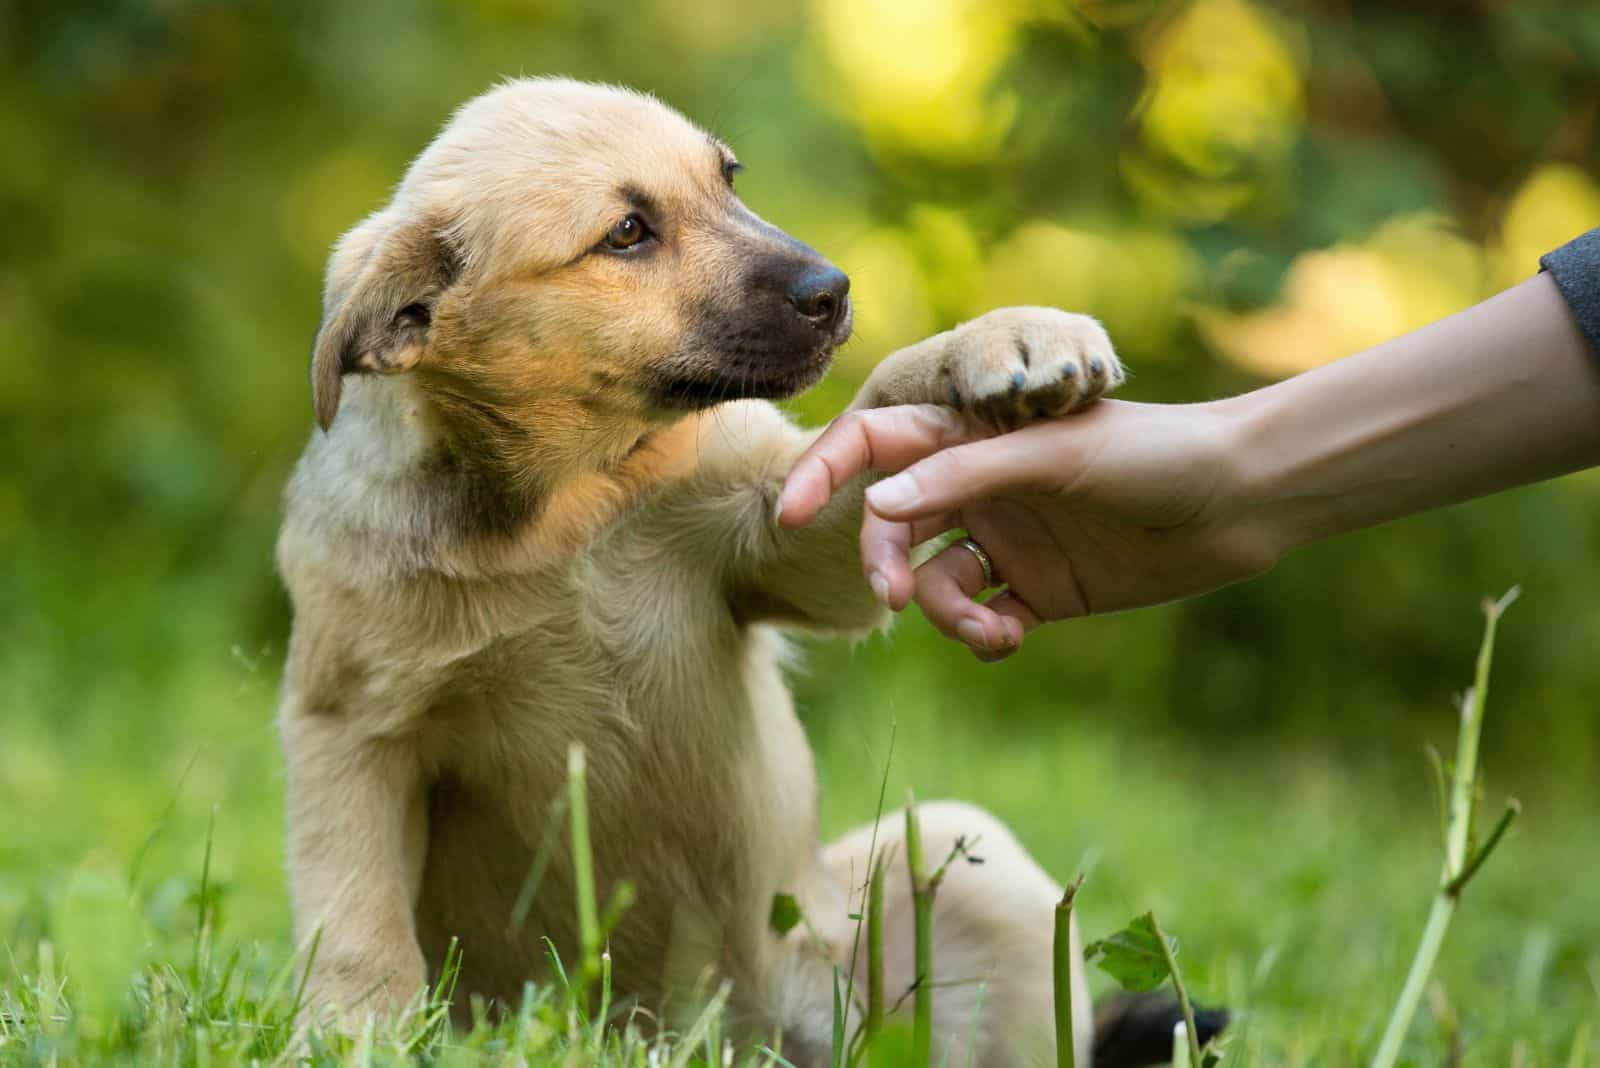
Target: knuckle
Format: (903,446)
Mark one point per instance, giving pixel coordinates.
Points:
(940,468)
(850,424)
(941,420)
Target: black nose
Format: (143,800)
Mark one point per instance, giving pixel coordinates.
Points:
(819,293)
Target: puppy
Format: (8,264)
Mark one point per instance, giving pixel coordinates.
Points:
(538,510)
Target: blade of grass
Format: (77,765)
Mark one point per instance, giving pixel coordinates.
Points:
(583,870)
(305,978)
(554,956)
(1061,976)
(839,1041)
(605,998)
(922,911)
(874,1021)
(1459,883)
(541,860)
(684,1050)
(1579,1056)
(205,893)
(872,860)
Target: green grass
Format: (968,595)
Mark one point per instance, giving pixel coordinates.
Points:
(1248,765)
(144,918)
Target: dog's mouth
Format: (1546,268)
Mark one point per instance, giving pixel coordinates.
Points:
(757,352)
(740,376)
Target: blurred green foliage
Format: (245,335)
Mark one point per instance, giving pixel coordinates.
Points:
(175,173)
(1238,190)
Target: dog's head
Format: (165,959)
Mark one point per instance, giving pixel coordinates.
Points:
(564,247)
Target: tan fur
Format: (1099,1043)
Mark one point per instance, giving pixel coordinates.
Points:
(500,543)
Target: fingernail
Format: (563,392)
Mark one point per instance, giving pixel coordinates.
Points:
(777,509)
(897,492)
(880,587)
(971,632)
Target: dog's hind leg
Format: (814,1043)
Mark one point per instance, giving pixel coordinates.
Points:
(993,929)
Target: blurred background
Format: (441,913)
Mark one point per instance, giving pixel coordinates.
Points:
(1239,190)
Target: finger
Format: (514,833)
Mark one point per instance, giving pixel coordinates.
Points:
(886,560)
(877,439)
(886,554)
(1013,615)
(954,476)
(946,586)
(1014,611)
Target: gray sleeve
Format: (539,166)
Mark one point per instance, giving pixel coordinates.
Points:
(1576,268)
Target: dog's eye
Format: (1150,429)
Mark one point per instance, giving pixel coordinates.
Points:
(628,232)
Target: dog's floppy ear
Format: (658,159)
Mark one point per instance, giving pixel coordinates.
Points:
(383,281)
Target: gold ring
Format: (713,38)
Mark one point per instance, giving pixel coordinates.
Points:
(983,559)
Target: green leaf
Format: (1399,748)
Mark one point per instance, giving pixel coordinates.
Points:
(785,913)
(1133,956)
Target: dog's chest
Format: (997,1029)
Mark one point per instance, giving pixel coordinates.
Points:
(700,782)
(630,655)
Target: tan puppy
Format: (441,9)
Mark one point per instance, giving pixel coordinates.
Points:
(538,511)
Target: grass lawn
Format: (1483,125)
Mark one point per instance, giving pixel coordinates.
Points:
(1296,875)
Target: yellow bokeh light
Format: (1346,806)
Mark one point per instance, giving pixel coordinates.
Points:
(889,295)
(1557,203)
(1133,280)
(917,74)
(1224,104)
(1413,271)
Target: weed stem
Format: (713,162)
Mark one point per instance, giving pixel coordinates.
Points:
(1062,961)
(1178,987)
(1457,867)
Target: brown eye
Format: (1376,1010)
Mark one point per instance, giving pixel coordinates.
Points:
(628,232)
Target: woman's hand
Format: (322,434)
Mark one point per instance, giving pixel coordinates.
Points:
(1120,506)
(1133,504)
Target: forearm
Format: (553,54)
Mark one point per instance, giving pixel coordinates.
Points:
(1502,394)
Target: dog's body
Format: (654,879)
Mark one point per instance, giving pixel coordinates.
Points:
(532,524)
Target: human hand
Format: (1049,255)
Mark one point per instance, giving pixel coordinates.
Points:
(1119,506)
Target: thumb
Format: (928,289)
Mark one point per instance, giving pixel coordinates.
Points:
(956,476)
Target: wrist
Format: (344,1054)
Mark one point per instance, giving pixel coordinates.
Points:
(1257,497)
(1496,396)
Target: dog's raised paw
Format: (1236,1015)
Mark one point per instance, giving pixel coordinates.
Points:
(1015,365)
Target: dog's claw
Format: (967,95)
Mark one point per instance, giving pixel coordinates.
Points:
(1058,351)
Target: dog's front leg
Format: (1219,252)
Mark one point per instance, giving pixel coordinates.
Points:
(357,838)
(809,577)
